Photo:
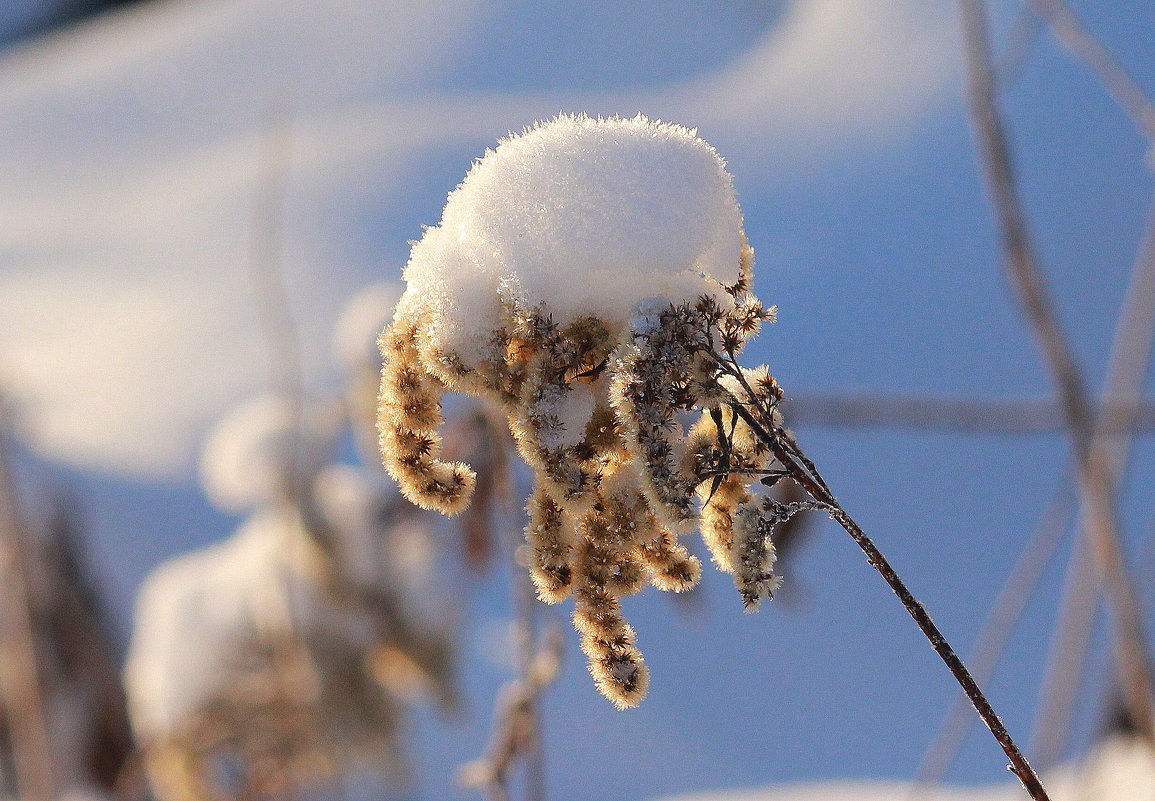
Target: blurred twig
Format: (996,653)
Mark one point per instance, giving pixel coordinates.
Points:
(1092,466)
(515,729)
(22,697)
(1022,37)
(1126,374)
(272,298)
(80,655)
(962,415)
(1086,46)
(516,735)
(1070,639)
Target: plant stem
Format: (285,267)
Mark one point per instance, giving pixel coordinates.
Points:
(23,698)
(806,475)
(1087,47)
(1018,589)
(1092,464)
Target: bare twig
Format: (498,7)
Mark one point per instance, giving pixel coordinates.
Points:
(1115,426)
(1096,482)
(1127,370)
(22,700)
(1024,33)
(782,446)
(1086,46)
(1070,640)
(516,735)
(272,298)
(270,293)
(515,721)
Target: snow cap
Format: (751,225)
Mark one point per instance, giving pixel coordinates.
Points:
(580,215)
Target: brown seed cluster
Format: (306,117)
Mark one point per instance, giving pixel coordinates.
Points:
(595,410)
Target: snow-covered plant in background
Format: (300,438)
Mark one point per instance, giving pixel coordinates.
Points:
(354,347)
(592,277)
(282,655)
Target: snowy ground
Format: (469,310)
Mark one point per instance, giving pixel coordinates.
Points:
(1119,770)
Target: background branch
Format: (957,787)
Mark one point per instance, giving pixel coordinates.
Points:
(1075,36)
(21,700)
(1096,482)
(958,415)
(1127,370)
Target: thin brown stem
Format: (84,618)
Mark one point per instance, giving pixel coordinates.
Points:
(785,450)
(23,699)
(1093,469)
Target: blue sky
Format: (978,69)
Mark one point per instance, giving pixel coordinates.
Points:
(875,242)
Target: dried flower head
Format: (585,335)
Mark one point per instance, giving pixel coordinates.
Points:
(583,277)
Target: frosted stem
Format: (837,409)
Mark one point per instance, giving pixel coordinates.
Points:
(806,475)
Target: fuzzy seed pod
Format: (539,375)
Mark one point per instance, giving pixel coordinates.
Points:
(617,667)
(408,419)
(670,565)
(752,553)
(551,548)
(721,443)
(651,383)
(557,404)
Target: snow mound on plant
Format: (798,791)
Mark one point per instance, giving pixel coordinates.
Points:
(580,215)
(197,610)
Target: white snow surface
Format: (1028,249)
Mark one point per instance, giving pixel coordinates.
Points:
(130,149)
(1119,768)
(579,216)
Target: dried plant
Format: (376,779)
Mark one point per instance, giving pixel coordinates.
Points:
(284,656)
(597,381)
(591,404)
(63,722)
